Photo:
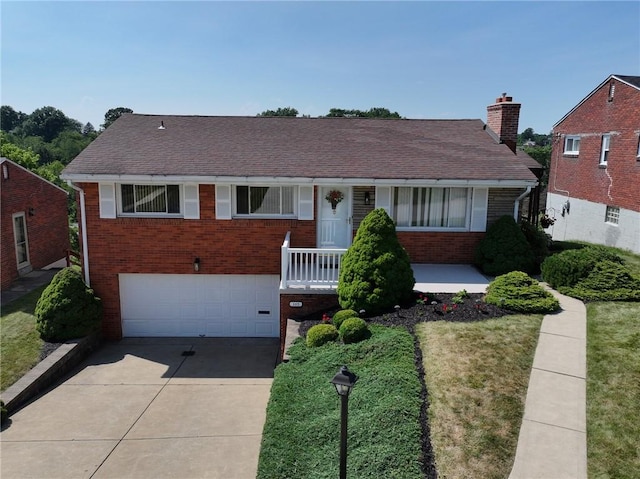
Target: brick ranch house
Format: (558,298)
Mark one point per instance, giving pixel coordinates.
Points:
(594,180)
(35,223)
(219,226)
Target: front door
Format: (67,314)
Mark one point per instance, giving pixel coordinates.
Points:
(335,217)
(20,236)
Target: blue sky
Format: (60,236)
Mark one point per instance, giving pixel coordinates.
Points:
(421,59)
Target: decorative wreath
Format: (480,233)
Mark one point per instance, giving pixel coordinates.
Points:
(334,197)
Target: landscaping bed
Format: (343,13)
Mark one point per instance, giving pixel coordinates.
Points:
(423,308)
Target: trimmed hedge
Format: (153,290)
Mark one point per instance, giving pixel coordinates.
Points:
(67,309)
(376,272)
(571,266)
(504,248)
(321,334)
(341,315)
(353,330)
(607,281)
(519,292)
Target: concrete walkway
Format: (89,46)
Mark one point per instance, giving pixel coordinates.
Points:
(553,436)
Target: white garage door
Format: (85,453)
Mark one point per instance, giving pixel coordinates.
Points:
(199,305)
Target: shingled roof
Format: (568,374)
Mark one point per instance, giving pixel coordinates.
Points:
(280,147)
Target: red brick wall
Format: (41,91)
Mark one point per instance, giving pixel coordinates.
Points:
(581,176)
(47,229)
(239,246)
(432,247)
(169,246)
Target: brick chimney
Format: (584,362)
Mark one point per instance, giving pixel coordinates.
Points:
(502,118)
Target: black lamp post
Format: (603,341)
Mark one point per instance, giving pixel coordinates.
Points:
(344,381)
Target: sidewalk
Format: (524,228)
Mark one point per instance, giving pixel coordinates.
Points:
(25,284)
(553,436)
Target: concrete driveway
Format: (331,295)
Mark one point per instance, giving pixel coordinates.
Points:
(146,408)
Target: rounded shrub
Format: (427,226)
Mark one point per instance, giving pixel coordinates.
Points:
(376,272)
(341,315)
(519,292)
(67,309)
(321,334)
(504,248)
(569,267)
(353,330)
(607,281)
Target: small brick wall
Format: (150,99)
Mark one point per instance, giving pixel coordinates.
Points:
(47,228)
(447,248)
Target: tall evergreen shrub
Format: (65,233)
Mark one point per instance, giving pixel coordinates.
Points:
(375,273)
(504,249)
(67,308)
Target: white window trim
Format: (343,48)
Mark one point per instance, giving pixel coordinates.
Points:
(606,138)
(455,229)
(27,262)
(148,214)
(566,141)
(638,153)
(234,203)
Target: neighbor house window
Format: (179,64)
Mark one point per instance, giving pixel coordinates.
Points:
(638,152)
(604,152)
(150,199)
(572,145)
(265,200)
(613,215)
(430,207)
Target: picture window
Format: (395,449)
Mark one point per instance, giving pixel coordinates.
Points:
(150,199)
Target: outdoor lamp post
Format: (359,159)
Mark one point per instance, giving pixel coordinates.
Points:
(344,380)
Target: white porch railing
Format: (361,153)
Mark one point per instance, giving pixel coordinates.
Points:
(310,267)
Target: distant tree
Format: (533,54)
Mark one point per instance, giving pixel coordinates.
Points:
(88,129)
(113,114)
(287,111)
(537,138)
(377,112)
(527,135)
(10,119)
(25,158)
(47,122)
(542,154)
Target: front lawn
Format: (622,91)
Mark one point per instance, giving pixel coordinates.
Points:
(613,389)
(477,376)
(302,432)
(20,344)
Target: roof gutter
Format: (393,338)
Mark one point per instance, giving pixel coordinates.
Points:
(83,221)
(516,204)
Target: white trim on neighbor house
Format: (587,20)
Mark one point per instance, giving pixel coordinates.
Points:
(605,146)
(591,94)
(571,145)
(19,241)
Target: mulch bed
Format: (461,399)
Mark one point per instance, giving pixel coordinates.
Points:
(423,308)
(429,307)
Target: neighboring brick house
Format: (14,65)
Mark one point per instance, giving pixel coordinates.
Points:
(219,226)
(594,181)
(35,224)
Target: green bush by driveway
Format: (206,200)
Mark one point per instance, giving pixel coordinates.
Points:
(519,292)
(302,432)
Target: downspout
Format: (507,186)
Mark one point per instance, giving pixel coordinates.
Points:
(516,205)
(83,221)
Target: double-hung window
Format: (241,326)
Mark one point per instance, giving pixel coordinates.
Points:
(265,200)
(430,207)
(150,199)
(571,145)
(604,151)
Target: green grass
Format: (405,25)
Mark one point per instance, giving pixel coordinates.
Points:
(20,343)
(613,389)
(477,376)
(302,430)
